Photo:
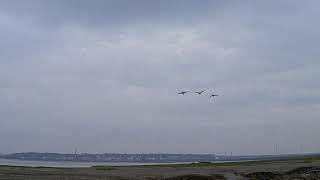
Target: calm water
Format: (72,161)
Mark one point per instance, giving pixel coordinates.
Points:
(68,164)
(64,163)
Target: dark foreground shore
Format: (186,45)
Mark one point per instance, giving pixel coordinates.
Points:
(290,169)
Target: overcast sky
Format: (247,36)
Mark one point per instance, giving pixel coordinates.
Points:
(104,76)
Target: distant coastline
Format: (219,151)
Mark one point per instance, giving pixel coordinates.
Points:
(143,158)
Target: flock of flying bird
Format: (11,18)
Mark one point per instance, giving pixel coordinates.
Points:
(198,92)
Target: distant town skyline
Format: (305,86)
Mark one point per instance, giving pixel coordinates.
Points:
(104,76)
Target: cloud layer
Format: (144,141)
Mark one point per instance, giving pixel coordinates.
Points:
(104,76)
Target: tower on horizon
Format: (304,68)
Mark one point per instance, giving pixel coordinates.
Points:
(75,152)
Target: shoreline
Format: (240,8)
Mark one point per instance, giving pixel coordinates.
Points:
(274,169)
(87,164)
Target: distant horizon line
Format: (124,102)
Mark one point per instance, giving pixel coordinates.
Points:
(216,154)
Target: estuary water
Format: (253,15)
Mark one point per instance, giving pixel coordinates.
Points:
(65,164)
(70,164)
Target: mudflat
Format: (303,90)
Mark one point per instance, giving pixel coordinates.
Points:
(279,169)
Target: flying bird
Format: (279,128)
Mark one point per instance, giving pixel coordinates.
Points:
(200,92)
(183,92)
(213,95)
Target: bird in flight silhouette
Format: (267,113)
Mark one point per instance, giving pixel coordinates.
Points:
(183,92)
(213,95)
(200,92)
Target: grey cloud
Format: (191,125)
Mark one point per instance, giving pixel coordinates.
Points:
(73,72)
(109,13)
